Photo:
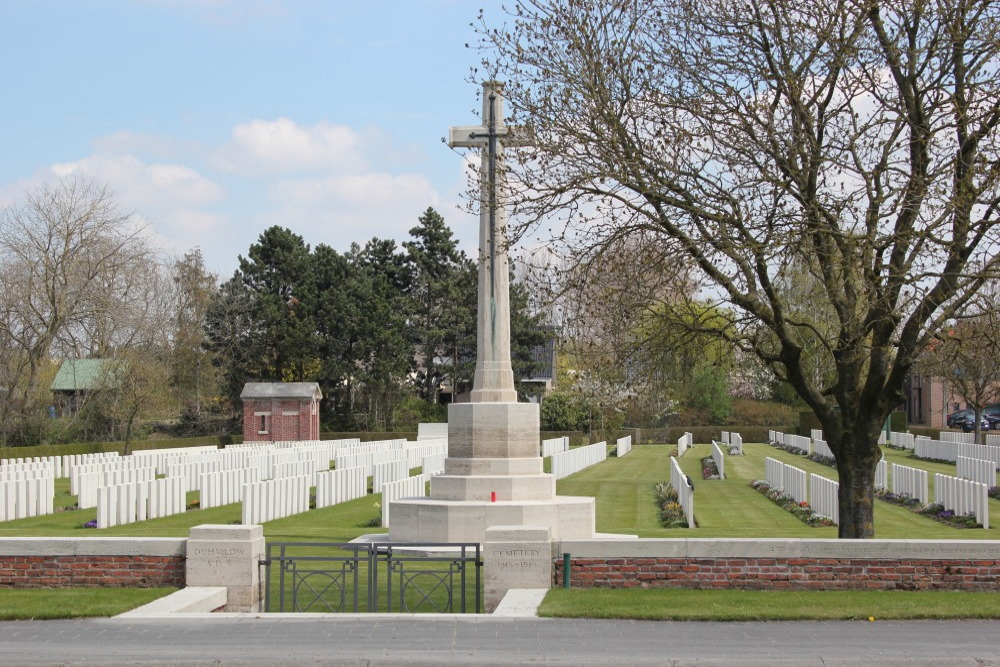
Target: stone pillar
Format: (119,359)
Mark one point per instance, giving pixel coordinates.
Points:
(227,555)
(515,557)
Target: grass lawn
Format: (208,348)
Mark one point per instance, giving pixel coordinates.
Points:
(39,603)
(710,605)
(729,507)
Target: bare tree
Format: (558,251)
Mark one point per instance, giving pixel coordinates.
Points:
(195,287)
(855,137)
(966,357)
(135,387)
(69,259)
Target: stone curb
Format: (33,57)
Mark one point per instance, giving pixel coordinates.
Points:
(196,602)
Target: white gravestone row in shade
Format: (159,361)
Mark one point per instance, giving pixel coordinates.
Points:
(407,487)
(799,443)
(821,494)
(554,446)
(735,442)
(901,440)
(390,471)
(963,497)
(131,502)
(684,443)
(623,446)
(941,450)
(910,482)
(125,489)
(684,489)
(787,478)
(433,464)
(983,452)
(225,487)
(26,496)
(572,461)
(341,485)
(823,497)
(976,470)
(954,436)
(719,459)
(275,499)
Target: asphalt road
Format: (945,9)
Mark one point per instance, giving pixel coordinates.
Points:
(485,640)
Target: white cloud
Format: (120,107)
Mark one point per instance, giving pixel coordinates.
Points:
(318,181)
(262,147)
(146,185)
(341,209)
(169,199)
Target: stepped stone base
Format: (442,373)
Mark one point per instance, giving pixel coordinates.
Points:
(492,456)
(431,520)
(483,487)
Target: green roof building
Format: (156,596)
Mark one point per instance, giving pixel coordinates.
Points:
(76,379)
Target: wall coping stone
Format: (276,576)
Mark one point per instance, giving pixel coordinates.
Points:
(781,548)
(93,546)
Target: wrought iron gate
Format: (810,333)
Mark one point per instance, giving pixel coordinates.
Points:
(406,578)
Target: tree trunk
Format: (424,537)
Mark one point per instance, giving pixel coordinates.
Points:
(857,459)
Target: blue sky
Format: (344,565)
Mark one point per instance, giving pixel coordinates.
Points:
(215,119)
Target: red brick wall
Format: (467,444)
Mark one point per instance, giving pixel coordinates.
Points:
(131,571)
(782,573)
(304,425)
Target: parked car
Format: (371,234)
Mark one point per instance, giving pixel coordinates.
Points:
(968,423)
(957,416)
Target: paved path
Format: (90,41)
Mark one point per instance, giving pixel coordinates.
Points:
(383,640)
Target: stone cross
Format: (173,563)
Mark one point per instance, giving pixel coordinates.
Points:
(494,380)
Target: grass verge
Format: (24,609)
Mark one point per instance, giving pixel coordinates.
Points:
(43,603)
(711,605)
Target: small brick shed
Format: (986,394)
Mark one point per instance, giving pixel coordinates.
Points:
(280,411)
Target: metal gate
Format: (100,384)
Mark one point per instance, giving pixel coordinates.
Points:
(330,577)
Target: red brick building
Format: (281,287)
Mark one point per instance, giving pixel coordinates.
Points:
(280,411)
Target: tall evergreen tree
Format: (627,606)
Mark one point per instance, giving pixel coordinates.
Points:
(276,271)
(442,317)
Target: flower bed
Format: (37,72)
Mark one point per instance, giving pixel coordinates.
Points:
(801,510)
(671,512)
(823,460)
(709,470)
(934,510)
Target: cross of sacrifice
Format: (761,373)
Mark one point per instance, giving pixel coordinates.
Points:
(494,380)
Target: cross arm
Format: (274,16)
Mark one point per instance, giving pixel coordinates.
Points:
(467,136)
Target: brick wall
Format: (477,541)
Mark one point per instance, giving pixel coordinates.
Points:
(60,562)
(120,571)
(782,573)
(286,419)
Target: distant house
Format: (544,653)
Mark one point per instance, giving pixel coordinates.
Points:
(280,411)
(544,358)
(76,381)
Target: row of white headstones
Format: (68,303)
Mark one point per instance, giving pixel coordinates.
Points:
(271,480)
(966,492)
(151,484)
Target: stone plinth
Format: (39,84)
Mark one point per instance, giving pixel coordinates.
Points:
(515,557)
(227,555)
(493,430)
(434,520)
(493,477)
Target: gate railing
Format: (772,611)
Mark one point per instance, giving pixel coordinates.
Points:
(336,577)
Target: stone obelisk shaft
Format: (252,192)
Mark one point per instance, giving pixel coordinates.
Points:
(494,379)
